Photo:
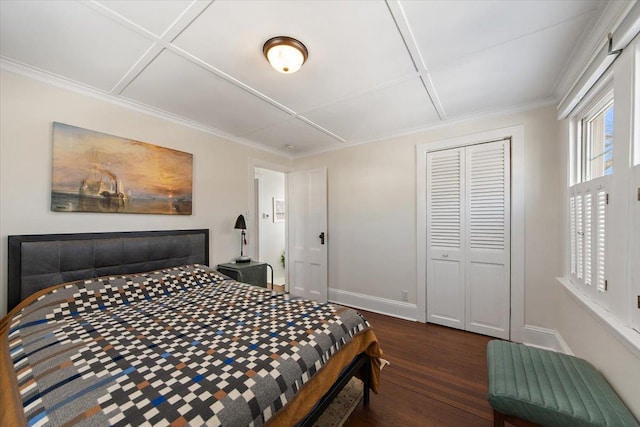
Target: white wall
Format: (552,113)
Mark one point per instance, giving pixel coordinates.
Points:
(27,110)
(372,213)
(272,234)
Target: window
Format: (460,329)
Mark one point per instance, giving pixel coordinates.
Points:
(589,199)
(596,140)
(603,199)
(598,143)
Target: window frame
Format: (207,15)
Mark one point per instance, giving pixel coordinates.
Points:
(579,187)
(603,100)
(588,142)
(617,308)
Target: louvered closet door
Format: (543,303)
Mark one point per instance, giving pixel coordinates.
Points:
(445,255)
(468,238)
(487,242)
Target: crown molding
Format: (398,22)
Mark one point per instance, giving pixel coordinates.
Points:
(37,74)
(595,38)
(82,89)
(486,114)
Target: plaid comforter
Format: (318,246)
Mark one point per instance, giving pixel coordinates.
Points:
(180,346)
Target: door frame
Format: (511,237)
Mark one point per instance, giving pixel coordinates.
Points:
(516,133)
(252,218)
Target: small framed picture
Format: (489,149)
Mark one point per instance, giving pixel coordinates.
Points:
(278,209)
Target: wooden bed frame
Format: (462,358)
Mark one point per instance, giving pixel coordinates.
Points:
(38,261)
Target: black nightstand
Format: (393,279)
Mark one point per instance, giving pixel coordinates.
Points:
(253,272)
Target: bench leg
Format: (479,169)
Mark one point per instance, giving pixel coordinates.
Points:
(499,419)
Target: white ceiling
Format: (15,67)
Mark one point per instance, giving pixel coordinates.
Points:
(376,68)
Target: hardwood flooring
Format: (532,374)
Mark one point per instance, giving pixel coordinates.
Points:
(437,377)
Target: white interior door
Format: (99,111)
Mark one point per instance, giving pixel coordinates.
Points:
(307,233)
(487,240)
(468,238)
(445,254)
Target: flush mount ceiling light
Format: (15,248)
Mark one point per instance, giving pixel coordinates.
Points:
(285,54)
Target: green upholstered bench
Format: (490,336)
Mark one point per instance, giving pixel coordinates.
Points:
(530,386)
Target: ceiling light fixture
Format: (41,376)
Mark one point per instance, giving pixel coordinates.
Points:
(285,54)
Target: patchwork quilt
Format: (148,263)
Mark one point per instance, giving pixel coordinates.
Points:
(182,346)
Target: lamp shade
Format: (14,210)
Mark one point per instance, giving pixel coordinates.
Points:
(240,223)
(285,54)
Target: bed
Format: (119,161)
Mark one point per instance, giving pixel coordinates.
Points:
(135,328)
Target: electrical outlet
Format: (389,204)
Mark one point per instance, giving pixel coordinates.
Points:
(405,295)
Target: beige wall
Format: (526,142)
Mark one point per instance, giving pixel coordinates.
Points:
(588,338)
(372,204)
(372,190)
(27,110)
(372,211)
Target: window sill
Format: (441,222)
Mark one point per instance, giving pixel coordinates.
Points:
(628,336)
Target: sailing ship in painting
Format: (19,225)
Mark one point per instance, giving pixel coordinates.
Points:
(101,183)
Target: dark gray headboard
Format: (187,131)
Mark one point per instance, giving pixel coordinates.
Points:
(38,261)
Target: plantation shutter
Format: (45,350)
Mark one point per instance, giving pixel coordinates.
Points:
(601,239)
(587,227)
(573,240)
(588,230)
(580,236)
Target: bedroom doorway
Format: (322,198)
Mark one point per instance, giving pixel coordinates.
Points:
(304,228)
(307,234)
(269,190)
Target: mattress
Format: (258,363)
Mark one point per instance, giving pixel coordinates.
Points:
(179,346)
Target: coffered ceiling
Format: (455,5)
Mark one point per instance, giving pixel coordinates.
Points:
(376,69)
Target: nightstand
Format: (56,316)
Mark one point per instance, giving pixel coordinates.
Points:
(253,272)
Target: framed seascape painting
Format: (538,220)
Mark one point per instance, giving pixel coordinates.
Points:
(97,172)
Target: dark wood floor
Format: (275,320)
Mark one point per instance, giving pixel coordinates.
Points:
(437,377)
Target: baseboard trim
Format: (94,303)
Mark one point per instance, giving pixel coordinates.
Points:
(389,307)
(534,336)
(548,339)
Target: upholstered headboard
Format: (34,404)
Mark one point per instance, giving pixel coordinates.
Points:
(36,262)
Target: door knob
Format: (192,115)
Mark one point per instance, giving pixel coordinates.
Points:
(321,236)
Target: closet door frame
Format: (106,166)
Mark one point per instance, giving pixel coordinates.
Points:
(516,134)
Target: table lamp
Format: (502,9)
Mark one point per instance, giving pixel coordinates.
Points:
(242,225)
